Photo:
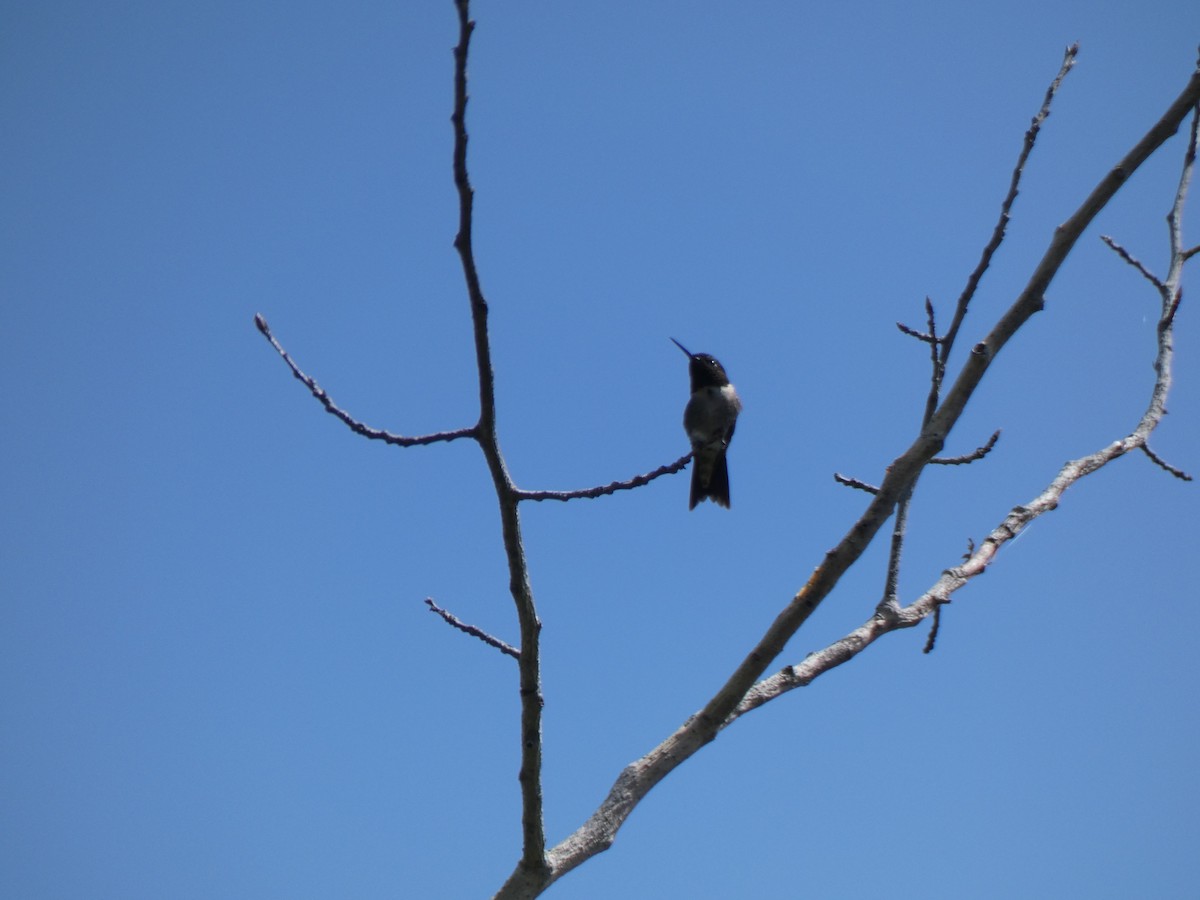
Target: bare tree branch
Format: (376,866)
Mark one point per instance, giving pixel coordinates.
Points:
(919,335)
(967,458)
(940,350)
(533,857)
(1163,464)
(611,488)
(891,586)
(747,688)
(998,232)
(356,426)
(742,692)
(462,626)
(931,641)
(855,483)
(1019,518)
(845,649)
(1125,255)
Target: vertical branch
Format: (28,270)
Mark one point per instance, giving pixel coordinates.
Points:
(891,589)
(529,664)
(1171,293)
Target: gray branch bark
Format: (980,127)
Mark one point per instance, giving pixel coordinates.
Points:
(744,691)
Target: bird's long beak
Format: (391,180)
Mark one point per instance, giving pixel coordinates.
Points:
(681,347)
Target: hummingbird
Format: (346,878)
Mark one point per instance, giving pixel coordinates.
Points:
(708,420)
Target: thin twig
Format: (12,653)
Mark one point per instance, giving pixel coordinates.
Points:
(1129,258)
(462,626)
(935,352)
(356,426)
(967,458)
(611,488)
(931,641)
(855,483)
(919,335)
(1163,464)
(985,260)
(891,587)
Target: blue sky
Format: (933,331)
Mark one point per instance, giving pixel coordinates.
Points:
(217,674)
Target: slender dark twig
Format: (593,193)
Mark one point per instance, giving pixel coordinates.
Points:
(931,641)
(1125,255)
(462,626)
(1163,464)
(967,458)
(356,426)
(989,251)
(855,483)
(891,589)
(919,335)
(611,488)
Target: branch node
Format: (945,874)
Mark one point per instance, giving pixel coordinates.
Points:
(888,610)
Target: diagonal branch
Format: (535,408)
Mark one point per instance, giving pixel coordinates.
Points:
(1164,465)
(845,649)
(455,622)
(985,260)
(1020,517)
(640,777)
(356,426)
(1129,258)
